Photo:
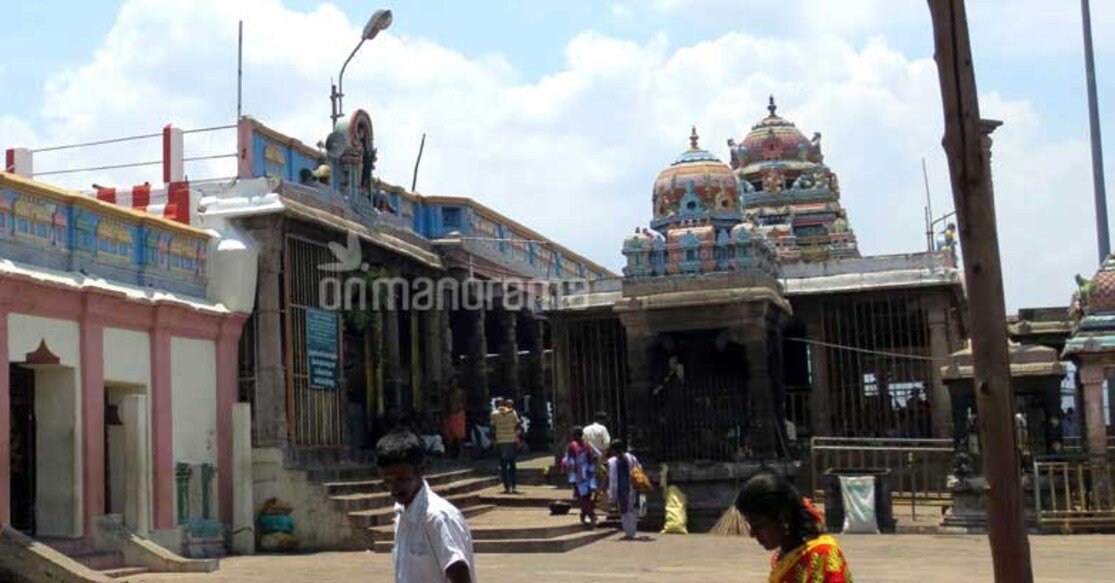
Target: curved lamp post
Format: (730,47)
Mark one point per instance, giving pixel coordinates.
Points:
(380,20)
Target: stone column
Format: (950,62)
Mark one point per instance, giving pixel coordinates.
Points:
(509,356)
(417,399)
(563,417)
(93,420)
(134,413)
(391,356)
(270,405)
(819,393)
(476,361)
(5,421)
(243,505)
(764,428)
(939,400)
(228,344)
(162,426)
(539,434)
(644,430)
(433,347)
(1095,441)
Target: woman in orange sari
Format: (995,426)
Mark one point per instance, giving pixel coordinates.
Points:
(782,521)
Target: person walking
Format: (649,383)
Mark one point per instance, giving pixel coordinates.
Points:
(505,424)
(781,520)
(621,491)
(432,540)
(580,465)
(597,436)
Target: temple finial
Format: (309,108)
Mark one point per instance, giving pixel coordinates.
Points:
(771,107)
(693,137)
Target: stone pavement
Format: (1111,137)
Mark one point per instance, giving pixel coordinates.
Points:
(700,558)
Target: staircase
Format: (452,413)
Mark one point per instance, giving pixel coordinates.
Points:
(500,523)
(108,563)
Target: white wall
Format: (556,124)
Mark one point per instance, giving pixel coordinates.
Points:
(58,496)
(193,386)
(127,357)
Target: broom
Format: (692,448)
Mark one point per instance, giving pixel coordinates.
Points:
(731,523)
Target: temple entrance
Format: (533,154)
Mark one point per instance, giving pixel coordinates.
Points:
(701,398)
(23,466)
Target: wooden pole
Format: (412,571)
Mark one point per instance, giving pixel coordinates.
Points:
(967,145)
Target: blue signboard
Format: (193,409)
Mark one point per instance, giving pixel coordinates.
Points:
(321,348)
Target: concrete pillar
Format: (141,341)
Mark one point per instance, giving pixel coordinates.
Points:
(644,427)
(765,428)
(391,355)
(940,402)
(162,428)
(416,378)
(539,435)
(820,395)
(228,344)
(134,413)
(509,356)
(243,504)
(5,422)
(433,346)
(93,421)
(270,406)
(563,406)
(1095,438)
(476,361)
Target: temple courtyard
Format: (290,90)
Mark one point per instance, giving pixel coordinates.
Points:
(704,558)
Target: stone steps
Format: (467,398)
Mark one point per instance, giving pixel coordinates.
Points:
(386,514)
(373,486)
(124,572)
(372,501)
(557,544)
(109,563)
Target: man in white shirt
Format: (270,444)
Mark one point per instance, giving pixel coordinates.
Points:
(597,435)
(432,541)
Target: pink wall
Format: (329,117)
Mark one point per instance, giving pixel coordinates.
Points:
(96,310)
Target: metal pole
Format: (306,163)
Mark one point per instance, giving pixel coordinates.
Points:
(1102,235)
(422,146)
(239,71)
(967,144)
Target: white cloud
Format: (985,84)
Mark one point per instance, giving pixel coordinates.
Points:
(574,153)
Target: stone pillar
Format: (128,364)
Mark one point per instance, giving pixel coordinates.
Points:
(391,355)
(644,429)
(228,344)
(162,428)
(476,361)
(243,504)
(415,350)
(764,427)
(563,414)
(270,406)
(134,413)
(539,431)
(820,391)
(93,421)
(1095,438)
(509,356)
(5,422)
(433,347)
(939,400)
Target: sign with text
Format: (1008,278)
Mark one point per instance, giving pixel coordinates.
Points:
(321,348)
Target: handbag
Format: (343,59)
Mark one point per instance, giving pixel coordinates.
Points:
(640,480)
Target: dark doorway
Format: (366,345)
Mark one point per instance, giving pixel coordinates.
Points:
(22,388)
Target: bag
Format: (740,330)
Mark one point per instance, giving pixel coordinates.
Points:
(640,480)
(675,512)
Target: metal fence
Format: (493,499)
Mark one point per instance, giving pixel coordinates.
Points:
(1075,492)
(597,357)
(918,468)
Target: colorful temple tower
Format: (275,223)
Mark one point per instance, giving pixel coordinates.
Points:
(789,193)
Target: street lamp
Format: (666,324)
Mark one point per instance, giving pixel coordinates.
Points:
(380,20)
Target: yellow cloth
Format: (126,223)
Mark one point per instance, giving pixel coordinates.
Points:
(504,422)
(817,560)
(675,512)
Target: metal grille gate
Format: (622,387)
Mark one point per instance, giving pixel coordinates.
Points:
(315,417)
(598,372)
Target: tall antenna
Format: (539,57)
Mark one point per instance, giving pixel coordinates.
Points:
(239,71)
(928,208)
(422,146)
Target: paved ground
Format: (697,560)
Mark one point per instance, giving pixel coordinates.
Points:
(704,559)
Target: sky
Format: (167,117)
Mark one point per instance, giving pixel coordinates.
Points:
(560,114)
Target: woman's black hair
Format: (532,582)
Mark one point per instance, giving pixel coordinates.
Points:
(770,496)
(577,433)
(618,446)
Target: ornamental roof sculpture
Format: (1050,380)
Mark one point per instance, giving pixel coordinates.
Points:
(1093,311)
(790,193)
(697,224)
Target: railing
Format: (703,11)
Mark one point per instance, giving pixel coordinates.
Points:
(1075,491)
(918,468)
(1075,444)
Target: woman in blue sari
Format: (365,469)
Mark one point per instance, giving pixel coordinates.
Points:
(580,465)
(621,490)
